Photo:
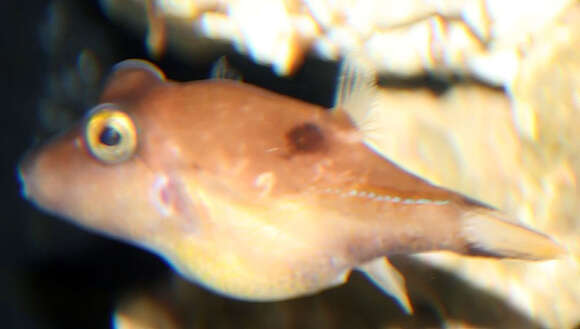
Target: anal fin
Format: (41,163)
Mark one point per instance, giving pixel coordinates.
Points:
(388,279)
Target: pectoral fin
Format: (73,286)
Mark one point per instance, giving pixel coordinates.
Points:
(385,276)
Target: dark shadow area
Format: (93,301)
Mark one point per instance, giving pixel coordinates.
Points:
(457,299)
(81,290)
(438,298)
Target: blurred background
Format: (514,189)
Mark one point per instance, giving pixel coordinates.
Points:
(479,96)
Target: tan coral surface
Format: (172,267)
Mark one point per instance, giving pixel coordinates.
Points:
(470,37)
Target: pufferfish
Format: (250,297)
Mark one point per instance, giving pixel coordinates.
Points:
(254,195)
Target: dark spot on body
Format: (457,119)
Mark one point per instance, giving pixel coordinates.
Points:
(306,137)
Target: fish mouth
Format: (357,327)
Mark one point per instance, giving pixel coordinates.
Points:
(23,173)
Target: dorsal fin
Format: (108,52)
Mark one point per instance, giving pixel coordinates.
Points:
(222,69)
(130,78)
(356,86)
(356,94)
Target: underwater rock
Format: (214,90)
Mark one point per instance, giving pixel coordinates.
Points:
(478,38)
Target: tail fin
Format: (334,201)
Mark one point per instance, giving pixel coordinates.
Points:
(488,234)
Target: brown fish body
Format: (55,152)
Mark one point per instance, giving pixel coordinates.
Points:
(253,194)
(285,165)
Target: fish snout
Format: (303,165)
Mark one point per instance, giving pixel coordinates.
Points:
(39,184)
(24,169)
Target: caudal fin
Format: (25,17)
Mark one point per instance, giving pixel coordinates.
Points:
(487,234)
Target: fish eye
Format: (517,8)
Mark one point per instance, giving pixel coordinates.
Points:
(110,134)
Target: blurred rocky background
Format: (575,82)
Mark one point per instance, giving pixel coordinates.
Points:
(481,96)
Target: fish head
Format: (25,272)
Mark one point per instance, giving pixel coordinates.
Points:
(102,173)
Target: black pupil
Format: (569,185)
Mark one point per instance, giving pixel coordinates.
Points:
(110,136)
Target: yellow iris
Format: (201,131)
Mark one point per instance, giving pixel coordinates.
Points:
(110,135)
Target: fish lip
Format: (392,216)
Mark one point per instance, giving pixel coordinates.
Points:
(23,170)
(22,181)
